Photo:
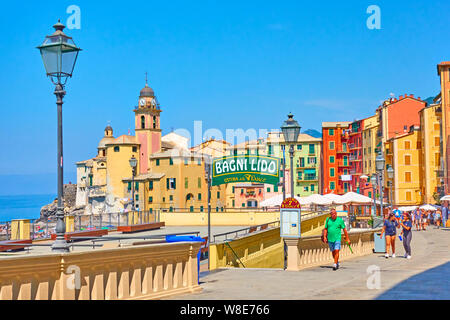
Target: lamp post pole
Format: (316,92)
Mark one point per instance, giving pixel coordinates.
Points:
(373,181)
(291,155)
(284,173)
(132,192)
(133,164)
(379,165)
(60,244)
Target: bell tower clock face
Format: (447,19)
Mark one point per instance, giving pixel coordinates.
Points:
(142,102)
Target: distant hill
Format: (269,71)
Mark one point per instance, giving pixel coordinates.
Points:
(313,133)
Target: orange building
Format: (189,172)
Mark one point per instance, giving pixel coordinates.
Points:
(443,70)
(398,115)
(336,166)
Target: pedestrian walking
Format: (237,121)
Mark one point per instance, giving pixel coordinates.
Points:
(389,227)
(444,214)
(437,218)
(332,235)
(407,235)
(417,215)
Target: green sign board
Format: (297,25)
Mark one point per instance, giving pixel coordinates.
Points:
(257,169)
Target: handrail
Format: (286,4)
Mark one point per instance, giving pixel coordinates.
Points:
(226,242)
(268,223)
(244,229)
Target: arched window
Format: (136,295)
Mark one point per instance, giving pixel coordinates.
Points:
(142,122)
(154,122)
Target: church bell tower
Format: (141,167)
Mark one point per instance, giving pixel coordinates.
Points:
(147,126)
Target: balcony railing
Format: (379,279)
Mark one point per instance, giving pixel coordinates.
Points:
(306,166)
(303,179)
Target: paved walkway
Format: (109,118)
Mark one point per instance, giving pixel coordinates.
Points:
(425,276)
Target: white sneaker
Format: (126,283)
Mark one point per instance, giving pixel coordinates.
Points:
(408,257)
(386,255)
(393,255)
(405,256)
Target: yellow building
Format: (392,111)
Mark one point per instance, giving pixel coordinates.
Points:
(403,153)
(369,144)
(430,158)
(168,175)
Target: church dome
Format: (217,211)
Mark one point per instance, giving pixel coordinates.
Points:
(104,141)
(147,92)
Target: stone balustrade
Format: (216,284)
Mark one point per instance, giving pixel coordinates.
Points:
(311,251)
(128,273)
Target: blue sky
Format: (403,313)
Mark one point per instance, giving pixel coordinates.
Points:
(231,64)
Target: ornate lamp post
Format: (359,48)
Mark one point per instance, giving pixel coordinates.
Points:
(133,164)
(390,174)
(379,164)
(291,130)
(59,54)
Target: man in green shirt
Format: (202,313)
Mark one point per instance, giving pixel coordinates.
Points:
(332,235)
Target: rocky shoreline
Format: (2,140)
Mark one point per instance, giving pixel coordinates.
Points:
(70,193)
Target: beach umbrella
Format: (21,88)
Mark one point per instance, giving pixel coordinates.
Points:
(354,198)
(333,197)
(428,207)
(316,199)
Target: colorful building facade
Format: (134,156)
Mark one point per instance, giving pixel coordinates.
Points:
(306,160)
(336,165)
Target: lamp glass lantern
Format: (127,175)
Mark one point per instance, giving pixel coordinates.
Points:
(379,162)
(133,162)
(373,180)
(390,172)
(290,129)
(59,54)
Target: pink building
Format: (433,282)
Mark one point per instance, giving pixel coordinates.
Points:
(247,195)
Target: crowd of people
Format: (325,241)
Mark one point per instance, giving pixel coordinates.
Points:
(394,219)
(419,218)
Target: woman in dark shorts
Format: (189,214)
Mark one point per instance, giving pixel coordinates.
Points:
(389,227)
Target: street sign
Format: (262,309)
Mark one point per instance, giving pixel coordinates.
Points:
(290,219)
(257,169)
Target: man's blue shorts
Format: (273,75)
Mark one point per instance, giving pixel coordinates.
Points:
(335,245)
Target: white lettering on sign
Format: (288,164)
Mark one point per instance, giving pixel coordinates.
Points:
(225,166)
(252,167)
(233,165)
(218,168)
(272,167)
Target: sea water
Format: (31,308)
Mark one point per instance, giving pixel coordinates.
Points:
(23,206)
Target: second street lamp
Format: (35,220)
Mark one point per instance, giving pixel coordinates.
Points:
(390,174)
(373,181)
(379,164)
(291,130)
(133,164)
(59,54)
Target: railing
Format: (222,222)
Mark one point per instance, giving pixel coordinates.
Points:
(43,229)
(248,230)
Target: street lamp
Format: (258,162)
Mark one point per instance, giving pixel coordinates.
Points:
(390,174)
(59,54)
(373,181)
(379,164)
(133,164)
(291,130)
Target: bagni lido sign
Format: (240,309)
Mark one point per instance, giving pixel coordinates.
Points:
(257,169)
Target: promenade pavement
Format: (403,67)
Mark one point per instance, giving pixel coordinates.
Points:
(425,276)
